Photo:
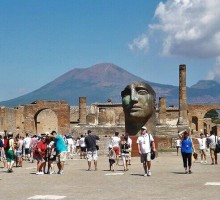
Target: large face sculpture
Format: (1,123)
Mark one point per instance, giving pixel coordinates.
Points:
(138,100)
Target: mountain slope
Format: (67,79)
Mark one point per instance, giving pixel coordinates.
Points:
(106,81)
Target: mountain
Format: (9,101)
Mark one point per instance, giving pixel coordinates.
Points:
(106,81)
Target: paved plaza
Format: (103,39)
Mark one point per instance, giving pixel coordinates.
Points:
(168,181)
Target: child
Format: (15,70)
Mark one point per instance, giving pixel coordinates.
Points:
(112,156)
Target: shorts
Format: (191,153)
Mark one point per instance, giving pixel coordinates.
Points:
(117,150)
(92,155)
(18,154)
(202,151)
(83,149)
(39,158)
(27,151)
(61,157)
(111,161)
(125,156)
(52,158)
(10,155)
(145,157)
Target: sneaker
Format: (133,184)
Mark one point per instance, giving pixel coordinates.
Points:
(53,172)
(190,172)
(186,172)
(201,161)
(149,173)
(60,172)
(39,173)
(205,161)
(145,175)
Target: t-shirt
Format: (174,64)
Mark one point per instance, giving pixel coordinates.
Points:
(27,142)
(178,142)
(202,143)
(82,142)
(115,141)
(90,141)
(59,144)
(43,147)
(144,142)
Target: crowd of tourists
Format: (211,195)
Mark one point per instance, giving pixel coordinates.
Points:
(51,150)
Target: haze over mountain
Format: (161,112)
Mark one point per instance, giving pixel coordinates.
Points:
(106,81)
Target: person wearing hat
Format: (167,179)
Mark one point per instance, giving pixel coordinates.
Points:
(145,143)
(115,141)
(125,149)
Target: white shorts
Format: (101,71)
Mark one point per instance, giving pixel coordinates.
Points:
(92,155)
(61,157)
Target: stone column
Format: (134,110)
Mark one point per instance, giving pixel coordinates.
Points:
(82,110)
(162,110)
(183,118)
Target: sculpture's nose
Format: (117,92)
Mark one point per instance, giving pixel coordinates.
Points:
(134,96)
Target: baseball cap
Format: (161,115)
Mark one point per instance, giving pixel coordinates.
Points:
(144,128)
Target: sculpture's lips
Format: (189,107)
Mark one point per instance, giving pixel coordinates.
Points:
(136,108)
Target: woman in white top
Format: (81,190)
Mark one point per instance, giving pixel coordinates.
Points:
(202,147)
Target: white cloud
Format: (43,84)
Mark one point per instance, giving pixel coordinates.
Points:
(189,28)
(214,74)
(140,43)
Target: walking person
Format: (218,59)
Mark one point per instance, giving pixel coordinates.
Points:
(9,152)
(187,148)
(178,145)
(125,149)
(111,156)
(61,151)
(27,144)
(92,154)
(115,142)
(145,144)
(82,145)
(212,141)
(202,147)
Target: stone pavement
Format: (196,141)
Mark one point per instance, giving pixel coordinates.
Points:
(168,181)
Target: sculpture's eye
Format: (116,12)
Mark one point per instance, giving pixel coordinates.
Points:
(142,92)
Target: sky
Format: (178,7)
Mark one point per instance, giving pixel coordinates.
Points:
(41,40)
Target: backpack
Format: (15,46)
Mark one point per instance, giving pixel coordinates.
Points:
(6,144)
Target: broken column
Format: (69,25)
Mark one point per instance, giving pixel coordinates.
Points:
(82,110)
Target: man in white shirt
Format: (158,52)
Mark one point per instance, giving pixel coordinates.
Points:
(212,141)
(202,147)
(145,143)
(115,142)
(27,144)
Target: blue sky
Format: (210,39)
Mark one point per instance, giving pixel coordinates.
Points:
(43,39)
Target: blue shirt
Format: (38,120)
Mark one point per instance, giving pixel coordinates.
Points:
(59,144)
(186,145)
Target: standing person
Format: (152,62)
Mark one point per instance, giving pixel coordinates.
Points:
(125,149)
(202,147)
(145,143)
(51,156)
(187,149)
(19,146)
(115,141)
(178,145)
(61,151)
(40,155)
(27,144)
(111,156)
(82,145)
(130,143)
(90,141)
(212,141)
(9,152)
(2,152)
(70,144)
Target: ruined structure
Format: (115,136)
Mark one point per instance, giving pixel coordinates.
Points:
(104,118)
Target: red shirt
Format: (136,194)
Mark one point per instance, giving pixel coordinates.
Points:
(43,147)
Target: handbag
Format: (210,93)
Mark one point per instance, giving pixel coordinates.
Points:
(217,147)
(152,156)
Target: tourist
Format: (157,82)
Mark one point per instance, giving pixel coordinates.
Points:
(82,145)
(69,141)
(212,141)
(40,155)
(178,145)
(92,154)
(115,142)
(19,145)
(145,145)
(130,143)
(9,151)
(61,151)
(2,152)
(125,149)
(27,143)
(51,156)
(187,148)
(202,147)
(112,157)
